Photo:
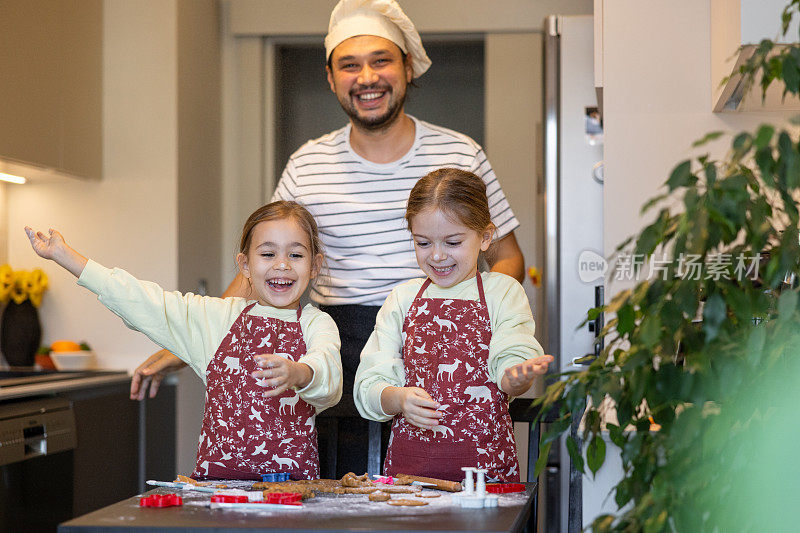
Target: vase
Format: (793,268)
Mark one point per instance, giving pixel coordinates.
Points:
(20,333)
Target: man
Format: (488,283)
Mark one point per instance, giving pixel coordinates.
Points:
(356,181)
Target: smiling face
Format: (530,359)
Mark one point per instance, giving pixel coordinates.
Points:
(447,251)
(279,263)
(369,78)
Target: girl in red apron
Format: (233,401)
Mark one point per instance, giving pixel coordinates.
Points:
(449,351)
(269,365)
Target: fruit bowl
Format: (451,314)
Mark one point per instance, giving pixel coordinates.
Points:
(78,360)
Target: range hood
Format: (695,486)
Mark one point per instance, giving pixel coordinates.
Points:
(737,27)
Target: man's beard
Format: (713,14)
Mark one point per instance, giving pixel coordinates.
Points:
(374,123)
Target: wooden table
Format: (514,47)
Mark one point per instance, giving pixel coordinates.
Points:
(326,512)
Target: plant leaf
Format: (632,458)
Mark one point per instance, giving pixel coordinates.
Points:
(575,454)
(596,453)
(713,315)
(625,318)
(764,135)
(787,303)
(651,330)
(707,138)
(681,176)
(544,452)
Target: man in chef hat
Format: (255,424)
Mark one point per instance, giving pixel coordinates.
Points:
(356,181)
(388,54)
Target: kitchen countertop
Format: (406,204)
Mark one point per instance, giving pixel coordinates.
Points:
(58,382)
(328,512)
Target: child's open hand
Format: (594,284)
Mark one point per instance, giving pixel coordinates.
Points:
(52,246)
(45,245)
(281,373)
(419,408)
(518,378)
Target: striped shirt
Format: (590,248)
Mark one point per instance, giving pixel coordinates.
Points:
(360,206)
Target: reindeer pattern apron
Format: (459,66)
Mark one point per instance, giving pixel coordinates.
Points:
(244,433)
(446,353)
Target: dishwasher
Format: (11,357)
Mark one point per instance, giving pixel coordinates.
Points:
(37,439)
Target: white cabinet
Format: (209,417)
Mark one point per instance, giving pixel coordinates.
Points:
(51,108)
(745,23)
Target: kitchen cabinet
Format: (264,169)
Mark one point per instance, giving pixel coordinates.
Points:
(115,435)
(115,444)
(51,108)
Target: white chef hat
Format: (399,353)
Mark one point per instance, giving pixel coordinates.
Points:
(384,18)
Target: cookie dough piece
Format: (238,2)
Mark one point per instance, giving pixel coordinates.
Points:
(186,479)
(441,484)
(355,490)
(400,490)
(352,480)
(283,486)
(379,496)
(428,494)
(407,503)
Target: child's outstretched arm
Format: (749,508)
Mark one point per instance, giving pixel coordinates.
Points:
(52,246)
(519,378)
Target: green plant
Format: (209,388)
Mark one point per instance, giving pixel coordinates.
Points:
(701,368)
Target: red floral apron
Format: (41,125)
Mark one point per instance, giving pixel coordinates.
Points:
(244,433)
(446,353)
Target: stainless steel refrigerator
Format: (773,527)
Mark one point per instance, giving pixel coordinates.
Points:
(573,221)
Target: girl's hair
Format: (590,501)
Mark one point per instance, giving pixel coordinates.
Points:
(277,211)
(458,193)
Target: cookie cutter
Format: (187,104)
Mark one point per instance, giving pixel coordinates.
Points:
(275,476)
(505,488)
(474,495)
(161,500)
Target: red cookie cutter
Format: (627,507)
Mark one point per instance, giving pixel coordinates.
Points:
(161,500)
(504,488)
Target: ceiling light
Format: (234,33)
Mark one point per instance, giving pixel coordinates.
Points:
(11,178)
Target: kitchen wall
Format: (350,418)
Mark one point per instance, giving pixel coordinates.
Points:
(657,100)
(156,211)
(657,75)
(129,218)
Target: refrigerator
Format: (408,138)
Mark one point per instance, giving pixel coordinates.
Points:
(572,206)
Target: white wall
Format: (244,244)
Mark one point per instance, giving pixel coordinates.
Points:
(657,75)
(127,219)
(657,101)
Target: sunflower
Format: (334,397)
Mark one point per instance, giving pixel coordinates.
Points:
(6,282)
(22,285)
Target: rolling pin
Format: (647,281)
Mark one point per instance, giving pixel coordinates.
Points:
(441,484)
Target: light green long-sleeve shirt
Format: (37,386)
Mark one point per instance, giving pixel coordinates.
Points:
(192,327)
(513,340)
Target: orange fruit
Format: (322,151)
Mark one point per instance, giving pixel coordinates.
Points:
(65,346)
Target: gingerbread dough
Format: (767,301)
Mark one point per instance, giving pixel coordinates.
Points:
(407,503)
(379,496)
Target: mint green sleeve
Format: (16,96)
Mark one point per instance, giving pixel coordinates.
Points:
(513,341)
(381,363)
(322,354)
(190,326)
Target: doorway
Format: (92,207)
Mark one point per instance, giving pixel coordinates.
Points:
(451,94)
